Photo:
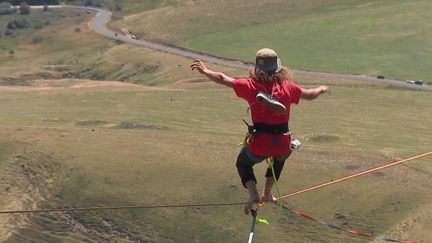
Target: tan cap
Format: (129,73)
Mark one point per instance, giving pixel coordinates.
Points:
(267,60)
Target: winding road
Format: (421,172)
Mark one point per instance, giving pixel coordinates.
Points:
(99,25)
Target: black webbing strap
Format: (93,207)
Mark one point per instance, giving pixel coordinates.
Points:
(267,128)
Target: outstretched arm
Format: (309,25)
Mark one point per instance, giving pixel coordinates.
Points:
(217,77)
(313,93)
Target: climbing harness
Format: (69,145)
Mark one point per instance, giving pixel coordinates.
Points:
(267,128)
(274,129)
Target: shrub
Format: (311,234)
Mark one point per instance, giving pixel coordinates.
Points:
(18,24)
(6,8)
(8,32)
(88,3)
(24,8)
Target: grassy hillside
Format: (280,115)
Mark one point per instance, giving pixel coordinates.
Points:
(68,148)
(383,37)
(66,48)
(88,136)
(57,48)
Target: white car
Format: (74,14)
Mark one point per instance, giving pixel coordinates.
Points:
(409,81)
(418,82)
(133,37)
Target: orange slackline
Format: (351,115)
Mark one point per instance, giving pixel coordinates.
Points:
(354,175)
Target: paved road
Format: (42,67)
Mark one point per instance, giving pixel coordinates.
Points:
(98,24)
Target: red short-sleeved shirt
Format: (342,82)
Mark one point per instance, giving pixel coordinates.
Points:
(286,92)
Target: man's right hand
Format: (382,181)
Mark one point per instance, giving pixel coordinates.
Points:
(198,65)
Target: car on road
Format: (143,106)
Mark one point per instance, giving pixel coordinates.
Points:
(418,82)
(409,81)
(133,37)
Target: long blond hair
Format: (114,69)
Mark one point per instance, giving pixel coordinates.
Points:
(283,74)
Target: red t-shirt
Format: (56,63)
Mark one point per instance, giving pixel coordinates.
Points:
(286,92)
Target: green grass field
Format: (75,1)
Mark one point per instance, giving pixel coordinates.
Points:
(389,38)
(67,141)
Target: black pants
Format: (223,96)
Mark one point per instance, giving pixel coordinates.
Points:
(245,167)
